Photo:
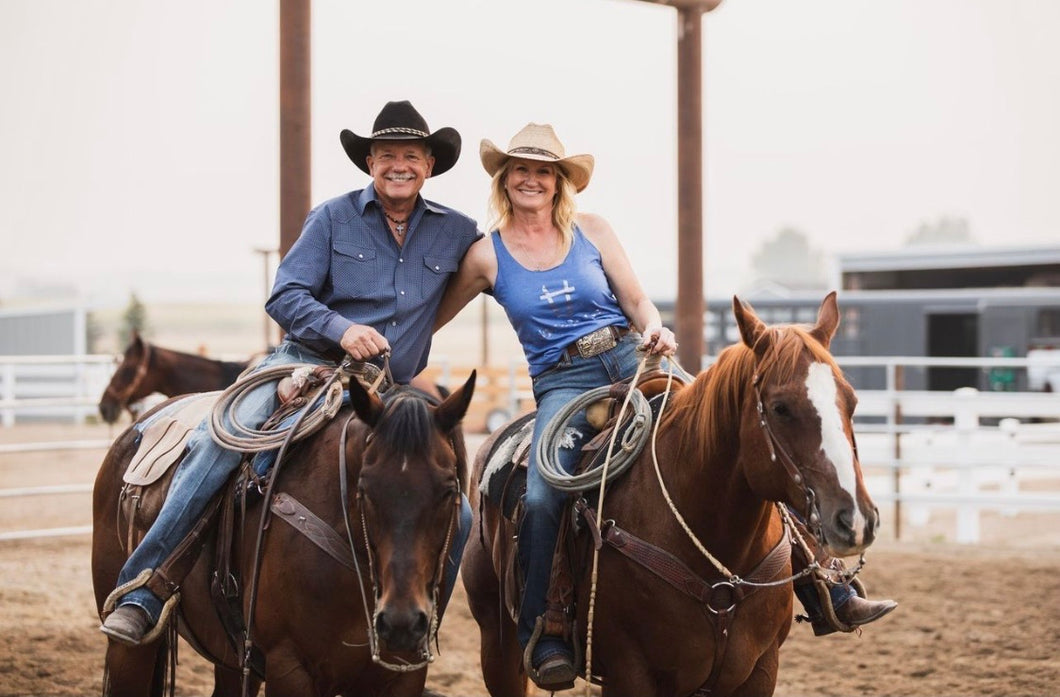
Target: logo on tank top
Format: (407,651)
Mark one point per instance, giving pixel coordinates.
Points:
(550,296)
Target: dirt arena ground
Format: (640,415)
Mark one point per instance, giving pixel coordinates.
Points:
(973,620)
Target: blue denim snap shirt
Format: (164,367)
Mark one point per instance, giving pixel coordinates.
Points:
(346,268)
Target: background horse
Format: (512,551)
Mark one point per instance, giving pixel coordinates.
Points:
(769,422)
(146,369)
(404,459)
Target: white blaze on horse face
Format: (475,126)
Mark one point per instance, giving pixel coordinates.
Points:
(822,391)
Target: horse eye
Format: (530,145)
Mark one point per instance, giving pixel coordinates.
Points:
(781,409)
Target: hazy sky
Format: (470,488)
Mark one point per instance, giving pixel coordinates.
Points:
(139,139)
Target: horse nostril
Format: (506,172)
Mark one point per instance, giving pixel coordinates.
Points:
(382,627)
(844,520)
(419,628)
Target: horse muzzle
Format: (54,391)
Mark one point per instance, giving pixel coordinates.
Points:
(110,410)
(402,629)
(849,530)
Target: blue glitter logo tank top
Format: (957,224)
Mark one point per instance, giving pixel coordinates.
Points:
(551,309)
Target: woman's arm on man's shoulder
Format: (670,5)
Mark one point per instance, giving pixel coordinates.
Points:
(477,271)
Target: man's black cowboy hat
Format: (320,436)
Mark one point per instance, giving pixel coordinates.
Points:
(401,121)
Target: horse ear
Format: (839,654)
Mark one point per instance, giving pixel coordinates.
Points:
(752,329)
(368,406)
(827,320)
(450,412)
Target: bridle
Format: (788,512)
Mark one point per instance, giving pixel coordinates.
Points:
(141,372)
(787,462)
(426,655)
(813,514)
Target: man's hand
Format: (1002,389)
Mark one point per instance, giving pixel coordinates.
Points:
(363,342)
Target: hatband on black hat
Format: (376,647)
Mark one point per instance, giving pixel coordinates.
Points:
(401,121)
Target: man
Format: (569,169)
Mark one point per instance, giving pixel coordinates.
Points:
(365,276)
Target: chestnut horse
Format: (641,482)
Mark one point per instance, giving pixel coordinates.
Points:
(360,626)
(146,369)
(769,422)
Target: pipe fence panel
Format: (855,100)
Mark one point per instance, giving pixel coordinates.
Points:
(965,450)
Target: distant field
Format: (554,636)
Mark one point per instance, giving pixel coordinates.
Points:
(236,331)
(228,329)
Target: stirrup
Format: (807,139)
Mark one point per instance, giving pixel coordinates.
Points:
(139,582)
(528,656)
(824,596)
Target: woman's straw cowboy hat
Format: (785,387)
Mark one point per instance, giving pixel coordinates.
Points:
(538,142)
(401,121)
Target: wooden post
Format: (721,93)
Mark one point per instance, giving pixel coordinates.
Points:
(295,125)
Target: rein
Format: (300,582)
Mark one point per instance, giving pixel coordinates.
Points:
(288,435)
(673,571)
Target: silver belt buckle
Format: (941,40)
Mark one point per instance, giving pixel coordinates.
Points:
(595,343)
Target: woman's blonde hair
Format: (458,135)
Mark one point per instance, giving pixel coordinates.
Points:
(563,208)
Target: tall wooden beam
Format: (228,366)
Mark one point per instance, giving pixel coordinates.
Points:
(295,130)
(688,310)
(691,296)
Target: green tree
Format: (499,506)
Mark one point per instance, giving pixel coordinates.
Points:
(134,319)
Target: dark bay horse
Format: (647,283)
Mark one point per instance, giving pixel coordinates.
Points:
(146,369)
(769,422)
(318,621)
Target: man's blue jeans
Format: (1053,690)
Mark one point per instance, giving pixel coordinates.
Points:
(205,469)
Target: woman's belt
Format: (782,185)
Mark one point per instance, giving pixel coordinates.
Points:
(595,343)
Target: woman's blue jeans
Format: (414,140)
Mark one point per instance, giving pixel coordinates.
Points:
(205,469)
(543,505)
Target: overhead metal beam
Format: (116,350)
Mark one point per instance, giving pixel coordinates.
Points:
(701,5)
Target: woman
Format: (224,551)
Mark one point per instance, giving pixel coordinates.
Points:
(570,293)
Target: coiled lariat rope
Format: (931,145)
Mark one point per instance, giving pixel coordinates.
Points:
(228,431)
(546,450)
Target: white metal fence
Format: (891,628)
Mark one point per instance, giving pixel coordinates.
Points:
(52,387)
(966,450)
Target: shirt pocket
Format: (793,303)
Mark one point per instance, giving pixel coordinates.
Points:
(436,271)
(355,270)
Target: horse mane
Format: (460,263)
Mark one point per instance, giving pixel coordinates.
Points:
(709,410)
(405,426)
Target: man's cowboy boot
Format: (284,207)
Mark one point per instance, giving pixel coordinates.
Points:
(127,624)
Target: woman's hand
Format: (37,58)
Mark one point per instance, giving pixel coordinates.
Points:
(659,340)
